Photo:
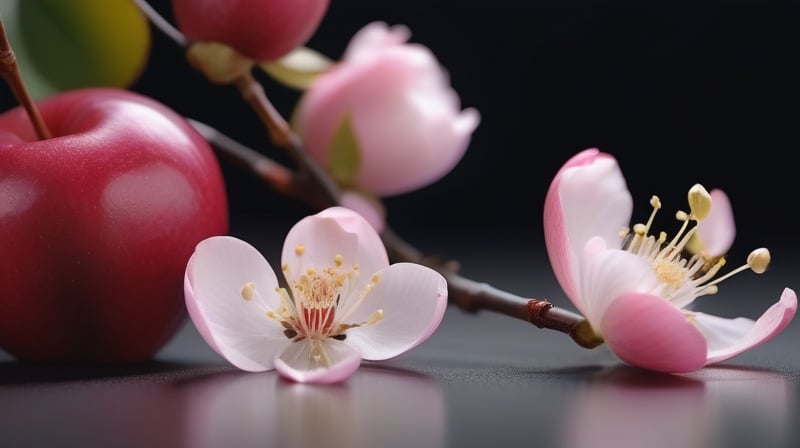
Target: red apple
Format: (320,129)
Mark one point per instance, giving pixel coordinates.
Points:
(97,224)
(263,30)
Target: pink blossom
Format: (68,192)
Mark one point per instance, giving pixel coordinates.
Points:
(343,303)
(385,119)
(634,287)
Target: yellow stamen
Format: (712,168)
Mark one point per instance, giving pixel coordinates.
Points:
(681,279)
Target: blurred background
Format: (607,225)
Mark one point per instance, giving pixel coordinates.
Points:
(702,92)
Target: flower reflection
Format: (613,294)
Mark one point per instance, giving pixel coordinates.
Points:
(377,407)
(721,406)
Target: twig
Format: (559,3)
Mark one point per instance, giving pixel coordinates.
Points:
(468,295)
(312,186)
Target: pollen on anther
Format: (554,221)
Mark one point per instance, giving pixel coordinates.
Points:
(299,249)
(248,290)
(655,202)
(758,260)
(699,202)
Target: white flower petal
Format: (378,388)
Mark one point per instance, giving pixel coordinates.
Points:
(315,241)
(721,333)
(606,274)
(596,202)
(325,361)
(729,337)
(413,299)
(238,329)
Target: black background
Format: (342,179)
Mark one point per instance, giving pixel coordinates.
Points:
(679,93)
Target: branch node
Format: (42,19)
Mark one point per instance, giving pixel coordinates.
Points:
(536,309)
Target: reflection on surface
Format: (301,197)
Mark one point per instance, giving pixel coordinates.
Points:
(377,407)
(51,405)
(624,407)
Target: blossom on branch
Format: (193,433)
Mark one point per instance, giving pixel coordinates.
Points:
(385,118)
(343,302)
(635,287)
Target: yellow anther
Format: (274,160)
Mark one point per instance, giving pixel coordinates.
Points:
(355,266)
(375,279)
(758,260)
(624,232)
(699,202)
(285,267)
(681,215)
(311,272)
(272,315)
(248,290)
(640,229)
(655,202)
(338,260)
(299,250)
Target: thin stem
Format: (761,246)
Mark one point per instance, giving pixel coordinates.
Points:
(9,69)
(312,186)
(320,186)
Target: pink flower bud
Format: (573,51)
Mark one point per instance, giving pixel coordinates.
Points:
(385,118)
(263,30)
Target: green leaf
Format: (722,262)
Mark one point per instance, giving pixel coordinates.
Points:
(344,153)
(297,69)
(64,45)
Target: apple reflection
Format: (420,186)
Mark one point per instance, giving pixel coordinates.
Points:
(378,406)
(625,407)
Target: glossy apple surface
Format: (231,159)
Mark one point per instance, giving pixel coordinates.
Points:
(263,30)
(97,224)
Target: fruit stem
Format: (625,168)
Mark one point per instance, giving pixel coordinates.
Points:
(9,69)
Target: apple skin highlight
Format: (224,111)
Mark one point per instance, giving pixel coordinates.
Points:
(97,223)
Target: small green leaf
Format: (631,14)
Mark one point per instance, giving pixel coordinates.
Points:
(297,69)
(64,45)
(344,153)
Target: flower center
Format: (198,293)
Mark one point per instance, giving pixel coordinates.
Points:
(318,302)
(683,275)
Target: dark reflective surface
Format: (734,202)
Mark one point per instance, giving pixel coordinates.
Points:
(480,380)
(424,399)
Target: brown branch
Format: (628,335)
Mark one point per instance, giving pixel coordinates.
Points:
(466,294)
(312,186)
